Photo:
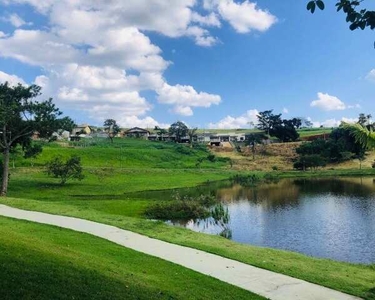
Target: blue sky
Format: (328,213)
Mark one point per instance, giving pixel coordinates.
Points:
(210,63)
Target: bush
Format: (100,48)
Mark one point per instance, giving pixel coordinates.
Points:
(275,168)
(211,157)
(245,180)
(65,170)
(373,165)
(177,210)
(310,162)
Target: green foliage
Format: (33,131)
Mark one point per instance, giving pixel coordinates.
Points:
(358,18)
(111,127)
(66,123)
(246,180)
(273,125)
(33,150)
(179,130)
(211,157)
(177,210)
(362,135)
(312,161)
(65,170)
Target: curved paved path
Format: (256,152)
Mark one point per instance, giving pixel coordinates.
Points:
(266,283)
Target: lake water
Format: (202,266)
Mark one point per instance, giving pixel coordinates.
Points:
(328,218)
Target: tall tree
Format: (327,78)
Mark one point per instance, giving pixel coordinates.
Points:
(179,130)
(111,128)
(356,15)
(267,120)
(20,117)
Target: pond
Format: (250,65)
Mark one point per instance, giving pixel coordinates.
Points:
(328,218)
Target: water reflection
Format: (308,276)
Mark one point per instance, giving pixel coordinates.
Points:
(330,218)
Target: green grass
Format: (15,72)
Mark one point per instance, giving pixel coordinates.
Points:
(354,279)
(126,153)
(104,197)
(45,262)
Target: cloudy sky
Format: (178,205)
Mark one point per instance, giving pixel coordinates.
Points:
(209,63)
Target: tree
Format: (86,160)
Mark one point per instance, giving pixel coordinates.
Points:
(359,18)
(286,131)
(179,130)
(160,132)
(267,120)
(191,134)
(67,124)
(362,135)
(70,169)
(111,127)
(253,139)
(20,117)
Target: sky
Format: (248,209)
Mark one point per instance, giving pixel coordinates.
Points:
(208,63)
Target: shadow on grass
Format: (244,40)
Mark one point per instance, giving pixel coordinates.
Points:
(370,295)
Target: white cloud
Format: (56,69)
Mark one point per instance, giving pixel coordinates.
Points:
(96,56)
(16,20)
(333,122)
(183,97)
(371,75)
(242,121)
(11,79)
(285,110)
(328,103)
(244,17)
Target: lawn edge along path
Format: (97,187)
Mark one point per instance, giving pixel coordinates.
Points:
(262,282)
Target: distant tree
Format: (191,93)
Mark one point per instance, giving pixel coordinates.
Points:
(191,133)
(312,161)
(161,132)
(65,170)
(286,131)
(178,129)
(66,124)
(362,119)
(111,128)
(359,18)
(253,139)
(267,120)
(20,117)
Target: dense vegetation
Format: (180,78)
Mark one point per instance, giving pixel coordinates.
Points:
(340,146)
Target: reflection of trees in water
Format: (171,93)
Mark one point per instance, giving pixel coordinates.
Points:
(350,186)
(270,196)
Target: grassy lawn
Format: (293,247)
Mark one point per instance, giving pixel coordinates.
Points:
(44,262)
(354,279)
(102,196)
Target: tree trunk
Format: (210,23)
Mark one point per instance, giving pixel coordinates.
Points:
(4,186)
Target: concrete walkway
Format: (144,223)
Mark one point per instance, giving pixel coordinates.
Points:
(262,282)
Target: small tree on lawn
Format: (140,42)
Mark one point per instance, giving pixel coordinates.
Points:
(111,128)
(65,170)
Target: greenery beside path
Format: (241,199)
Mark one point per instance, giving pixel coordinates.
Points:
(45,262)
(353,279)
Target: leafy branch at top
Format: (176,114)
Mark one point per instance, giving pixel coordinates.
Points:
(360,18)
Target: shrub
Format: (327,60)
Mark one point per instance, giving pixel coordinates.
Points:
(65,170)
(177,210)
(373,165)
(245,180)
(211,157)
(312,161)
(275,168)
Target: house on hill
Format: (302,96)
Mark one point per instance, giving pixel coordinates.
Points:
(82,129)
(137,132)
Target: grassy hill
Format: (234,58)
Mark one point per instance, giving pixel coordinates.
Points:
(28,252)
